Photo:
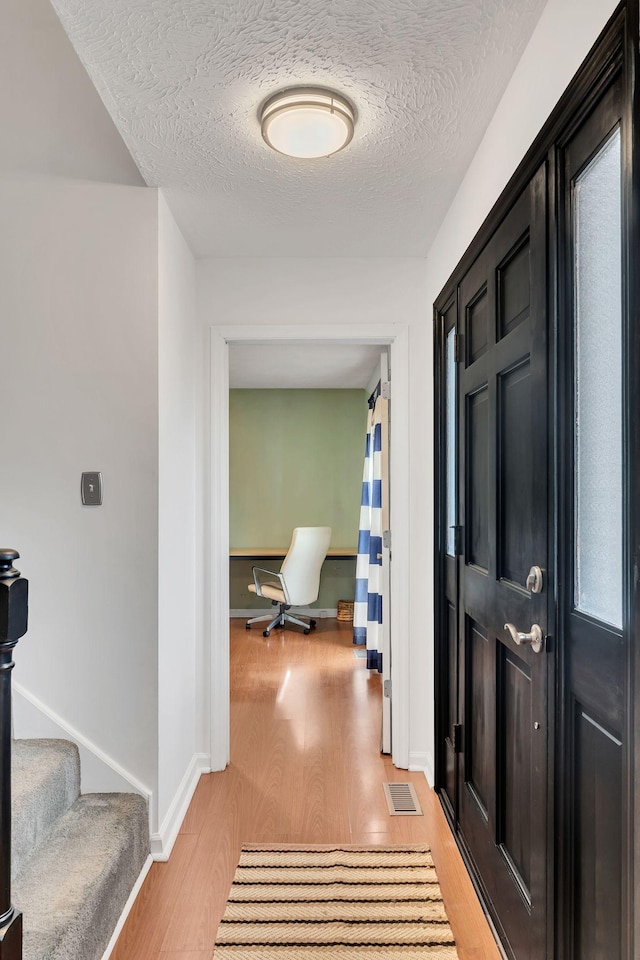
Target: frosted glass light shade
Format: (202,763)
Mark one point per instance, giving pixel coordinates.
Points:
(307,122)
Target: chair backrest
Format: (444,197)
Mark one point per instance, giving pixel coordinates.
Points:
(303,562)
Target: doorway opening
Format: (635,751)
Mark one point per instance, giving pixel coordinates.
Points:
(393,337)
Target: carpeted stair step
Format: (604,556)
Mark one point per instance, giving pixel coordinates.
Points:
(45,783)
(74,887)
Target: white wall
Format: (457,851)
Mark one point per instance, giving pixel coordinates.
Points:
(561,40)
(79,382)
(354,291)
(310,291)
(96,372)
(79,388)
(52,119)
(177,505)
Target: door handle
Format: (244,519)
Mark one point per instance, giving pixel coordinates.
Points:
(535,637)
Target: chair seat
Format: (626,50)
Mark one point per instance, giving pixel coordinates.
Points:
(271,591)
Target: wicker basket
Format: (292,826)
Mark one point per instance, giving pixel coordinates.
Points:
(345,609)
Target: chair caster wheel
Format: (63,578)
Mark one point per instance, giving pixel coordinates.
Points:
(265,633)
(312,623)
(247,626)
(306,631)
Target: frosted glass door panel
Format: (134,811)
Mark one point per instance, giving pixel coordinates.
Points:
(451,441)
(598,391)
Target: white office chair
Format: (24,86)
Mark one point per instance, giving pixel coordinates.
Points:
(298,582)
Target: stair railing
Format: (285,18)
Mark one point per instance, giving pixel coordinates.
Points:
(14,592)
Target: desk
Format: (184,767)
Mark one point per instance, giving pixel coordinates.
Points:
(267,553)
(337,581)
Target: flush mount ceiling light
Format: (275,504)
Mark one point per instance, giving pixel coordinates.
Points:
(307,122)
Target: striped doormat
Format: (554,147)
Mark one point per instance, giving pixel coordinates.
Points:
(340,902)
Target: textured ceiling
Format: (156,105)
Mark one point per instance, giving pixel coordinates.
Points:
(302,365)
(183,80)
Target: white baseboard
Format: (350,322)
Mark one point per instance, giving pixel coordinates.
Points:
(127,907)
(163,841)
(418,762)
(318,614)
(429,770)
(100,773)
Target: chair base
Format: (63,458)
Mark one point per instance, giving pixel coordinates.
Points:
(280,620)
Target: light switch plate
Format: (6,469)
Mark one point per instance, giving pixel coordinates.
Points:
(91,489)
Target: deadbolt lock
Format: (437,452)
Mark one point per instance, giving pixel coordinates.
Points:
(535,580)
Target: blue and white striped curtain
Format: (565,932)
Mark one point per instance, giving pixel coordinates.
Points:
(367,612)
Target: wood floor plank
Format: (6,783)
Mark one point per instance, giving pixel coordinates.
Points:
(305,768)
(141,938)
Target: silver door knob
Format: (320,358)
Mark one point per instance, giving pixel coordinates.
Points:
(535,638)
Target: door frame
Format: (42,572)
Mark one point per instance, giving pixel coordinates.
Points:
(216,522)
(616,49)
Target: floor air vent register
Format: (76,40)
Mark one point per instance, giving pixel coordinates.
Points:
(402,800)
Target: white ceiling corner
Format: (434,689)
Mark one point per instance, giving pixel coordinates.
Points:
(183,80)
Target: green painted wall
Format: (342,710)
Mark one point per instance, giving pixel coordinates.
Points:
(295,460)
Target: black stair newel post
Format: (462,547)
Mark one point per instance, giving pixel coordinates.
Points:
(13,625)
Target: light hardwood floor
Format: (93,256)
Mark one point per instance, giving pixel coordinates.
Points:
(305,767)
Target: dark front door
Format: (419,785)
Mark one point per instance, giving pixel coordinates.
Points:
(537,505)
(495,774)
